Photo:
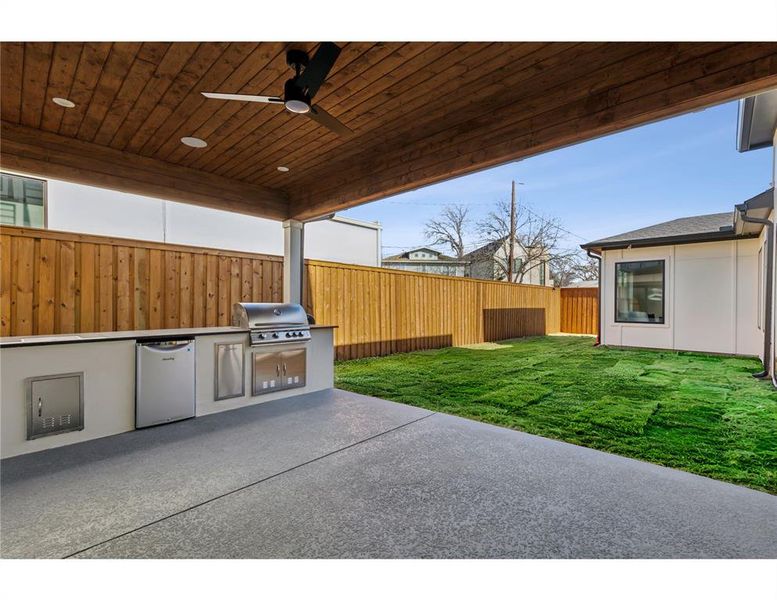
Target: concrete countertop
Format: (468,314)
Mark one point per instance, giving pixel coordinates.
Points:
(110,336)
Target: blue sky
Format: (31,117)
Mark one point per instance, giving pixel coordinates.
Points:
(678,167)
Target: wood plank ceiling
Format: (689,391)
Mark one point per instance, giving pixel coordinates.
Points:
(421,112)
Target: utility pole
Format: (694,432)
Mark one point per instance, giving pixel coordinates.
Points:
(511,252)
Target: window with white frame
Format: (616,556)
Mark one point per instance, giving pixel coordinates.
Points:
(22,201)
(639,291)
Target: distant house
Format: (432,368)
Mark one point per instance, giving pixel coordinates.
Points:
(490,262)
(427,260)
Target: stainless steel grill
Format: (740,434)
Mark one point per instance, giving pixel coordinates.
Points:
(272,323)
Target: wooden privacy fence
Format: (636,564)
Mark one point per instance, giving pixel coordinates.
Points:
(580,310)
(381,311)
(55,282)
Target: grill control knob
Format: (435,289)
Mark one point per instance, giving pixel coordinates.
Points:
(275,335)
(288,334)
(260,336)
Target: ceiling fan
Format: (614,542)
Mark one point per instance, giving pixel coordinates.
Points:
(299,91)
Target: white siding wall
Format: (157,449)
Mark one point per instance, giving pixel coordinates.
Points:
(531,276)
(711,299)
(86,209)
(773,332)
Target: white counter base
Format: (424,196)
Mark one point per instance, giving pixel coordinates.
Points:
(109,384)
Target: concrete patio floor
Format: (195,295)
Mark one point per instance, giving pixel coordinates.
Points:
(337,475)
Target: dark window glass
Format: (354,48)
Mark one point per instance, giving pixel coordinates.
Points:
(22,201)
(639,292)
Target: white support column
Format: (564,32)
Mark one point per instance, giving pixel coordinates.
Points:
(293,260)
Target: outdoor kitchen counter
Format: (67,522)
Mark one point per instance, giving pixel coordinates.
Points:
(109,336)
(107,362)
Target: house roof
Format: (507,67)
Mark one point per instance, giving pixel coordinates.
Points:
(485,250)
(405,256)
(700,228)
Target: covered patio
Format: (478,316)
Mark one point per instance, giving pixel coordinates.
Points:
(339,475)
(331,473)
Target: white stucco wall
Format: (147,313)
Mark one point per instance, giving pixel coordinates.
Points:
(86,209)
(774,295)
(344,240)
(711,299)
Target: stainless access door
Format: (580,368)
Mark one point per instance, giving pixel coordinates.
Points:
(164,386)
(55,404)
(230,373)
(266,372)
(293,365)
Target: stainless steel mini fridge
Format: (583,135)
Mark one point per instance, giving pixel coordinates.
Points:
(164,382)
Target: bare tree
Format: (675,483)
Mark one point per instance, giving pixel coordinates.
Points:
(449,228)
(563,271)
(573,266)
(538,239)
(587,269)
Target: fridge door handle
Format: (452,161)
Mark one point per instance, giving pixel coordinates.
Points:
(165,349)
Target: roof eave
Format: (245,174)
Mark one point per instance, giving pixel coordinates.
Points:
(695,238)
(756,120)
(745,123)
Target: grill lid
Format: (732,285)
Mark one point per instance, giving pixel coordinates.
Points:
(268,315)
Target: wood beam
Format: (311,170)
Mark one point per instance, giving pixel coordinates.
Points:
(517,130)
(49,154)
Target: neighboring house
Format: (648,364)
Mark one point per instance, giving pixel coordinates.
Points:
(427,260)
(582,284)
(695,283)
(490,262)
(64,206)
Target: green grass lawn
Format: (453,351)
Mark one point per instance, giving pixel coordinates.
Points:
(700,413)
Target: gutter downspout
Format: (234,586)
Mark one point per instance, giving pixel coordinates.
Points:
(598,257)
(742,208)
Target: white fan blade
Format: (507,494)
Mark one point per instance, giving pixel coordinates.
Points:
(243,97)
(320,116)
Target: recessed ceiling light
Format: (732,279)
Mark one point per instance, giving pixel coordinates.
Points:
(283,169)
(63,102)
(193,142)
